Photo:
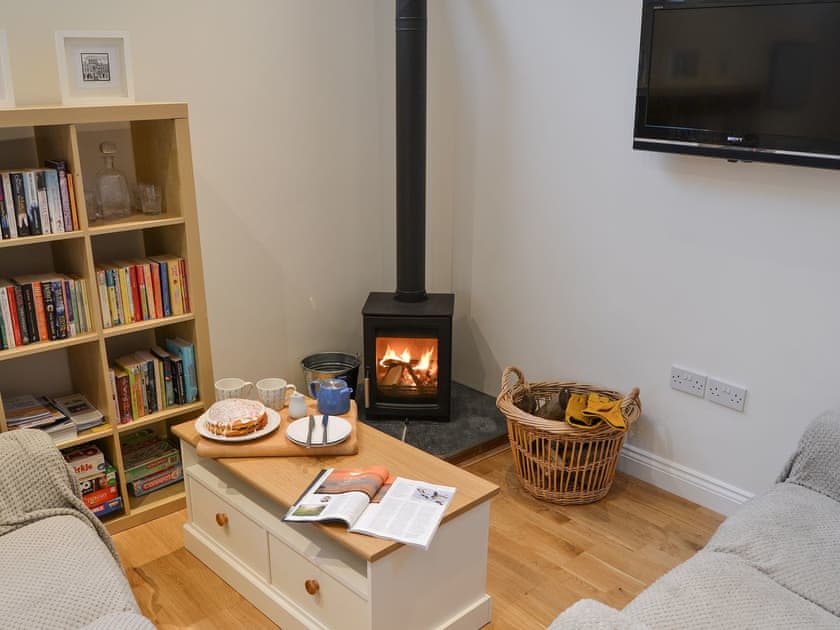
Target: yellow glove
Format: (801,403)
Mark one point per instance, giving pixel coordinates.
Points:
(575,412)
(602,408)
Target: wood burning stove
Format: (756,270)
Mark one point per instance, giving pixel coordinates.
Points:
(408,356)
(408,334)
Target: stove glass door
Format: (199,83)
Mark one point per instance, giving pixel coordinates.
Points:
(406,369)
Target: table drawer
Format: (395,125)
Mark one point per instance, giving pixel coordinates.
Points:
(333,603)
(229,527)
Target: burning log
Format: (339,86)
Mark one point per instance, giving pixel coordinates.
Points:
(393,375)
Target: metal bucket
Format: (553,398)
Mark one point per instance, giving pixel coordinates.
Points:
(324,365)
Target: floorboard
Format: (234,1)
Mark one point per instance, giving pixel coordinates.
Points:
(542,557)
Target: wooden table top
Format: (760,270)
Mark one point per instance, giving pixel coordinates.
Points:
(283,479)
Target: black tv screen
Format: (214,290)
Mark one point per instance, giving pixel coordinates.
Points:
(741,80)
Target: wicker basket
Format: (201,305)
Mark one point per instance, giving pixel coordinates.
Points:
(555,461)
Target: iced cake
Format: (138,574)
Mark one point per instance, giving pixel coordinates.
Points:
(235,417)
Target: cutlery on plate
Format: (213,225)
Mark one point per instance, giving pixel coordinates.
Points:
(324,421)
(309,432)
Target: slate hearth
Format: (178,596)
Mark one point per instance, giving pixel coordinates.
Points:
(475,426)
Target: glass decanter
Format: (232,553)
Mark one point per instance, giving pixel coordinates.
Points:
(112,194)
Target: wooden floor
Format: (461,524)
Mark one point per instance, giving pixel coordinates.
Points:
(542,557)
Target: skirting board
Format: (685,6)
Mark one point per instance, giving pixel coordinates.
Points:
(690,484)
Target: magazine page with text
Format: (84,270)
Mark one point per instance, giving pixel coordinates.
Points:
(408,511)
(339,495)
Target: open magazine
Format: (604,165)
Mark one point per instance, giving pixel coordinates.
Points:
(370,501)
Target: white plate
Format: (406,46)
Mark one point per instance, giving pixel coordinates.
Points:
(338,430)
(271,425)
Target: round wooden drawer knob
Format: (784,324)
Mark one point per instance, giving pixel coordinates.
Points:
(312,586)
(221,519)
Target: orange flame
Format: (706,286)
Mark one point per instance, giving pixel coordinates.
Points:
(390,355)
(425,360)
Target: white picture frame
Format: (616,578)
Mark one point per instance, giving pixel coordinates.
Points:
(94,67)
(7,93)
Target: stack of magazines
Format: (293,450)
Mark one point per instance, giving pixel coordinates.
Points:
(28,412)
(63,417)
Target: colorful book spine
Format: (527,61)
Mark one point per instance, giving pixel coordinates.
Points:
(134,293)
(139,286)
(79,302)
(6,184)
(70,308)
(178,381)
(168,377)
(72,194)
(33,211)
(43,201)
(34,309)
(175,287)
(4,217)
(149,287)
(85,307)
(59,167)
(123,395)
(19,314)
(164,288)
(154,273)
(49,310)
(185,291)
(54,201)
(113,296)
(61,315)
(135,383)
(6,314)
(19,198)
(127,294)
(185,351)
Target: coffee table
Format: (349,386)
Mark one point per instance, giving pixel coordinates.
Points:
(304,575)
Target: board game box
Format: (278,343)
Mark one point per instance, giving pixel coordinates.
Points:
(145,453)
(100,487)
(155,481)
(109,506)
(86,460)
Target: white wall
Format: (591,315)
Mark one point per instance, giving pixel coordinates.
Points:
(285,110)
(576,257)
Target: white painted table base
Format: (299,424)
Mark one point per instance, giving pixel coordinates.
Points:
(269,561)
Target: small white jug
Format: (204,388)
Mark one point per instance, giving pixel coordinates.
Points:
(297,405)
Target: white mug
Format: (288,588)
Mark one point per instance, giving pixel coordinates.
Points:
(232,388)
(297,406)
(272,392)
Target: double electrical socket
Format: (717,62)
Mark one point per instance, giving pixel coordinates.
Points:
(712,389)
(726,394)
(687,381)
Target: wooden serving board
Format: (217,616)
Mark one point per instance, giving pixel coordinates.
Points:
(276,444)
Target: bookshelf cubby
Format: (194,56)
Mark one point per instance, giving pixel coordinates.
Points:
(153,147)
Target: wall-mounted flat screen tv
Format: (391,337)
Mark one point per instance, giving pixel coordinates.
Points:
(741,80)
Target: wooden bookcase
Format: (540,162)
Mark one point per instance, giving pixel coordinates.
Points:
(153,147)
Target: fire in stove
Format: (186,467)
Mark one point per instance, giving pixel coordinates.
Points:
(412,372)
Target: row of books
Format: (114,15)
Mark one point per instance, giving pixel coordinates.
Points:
(62,417)
(37,201)
(96,477)
(148,381)
(138,290)
(42,307)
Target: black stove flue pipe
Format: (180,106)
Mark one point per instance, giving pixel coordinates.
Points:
(411,150)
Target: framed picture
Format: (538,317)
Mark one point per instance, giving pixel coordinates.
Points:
(94,67)
(7,95)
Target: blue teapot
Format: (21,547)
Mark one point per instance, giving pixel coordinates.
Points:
(333,396)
